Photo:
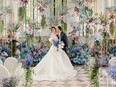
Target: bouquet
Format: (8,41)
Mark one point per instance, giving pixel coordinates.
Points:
(58,44)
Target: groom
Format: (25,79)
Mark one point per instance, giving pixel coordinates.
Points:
(63,37)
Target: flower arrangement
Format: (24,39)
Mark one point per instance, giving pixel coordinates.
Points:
(27,63)
(112,49)
(37,51)
(23,2)
(28,73)
(79,53)
(5,51)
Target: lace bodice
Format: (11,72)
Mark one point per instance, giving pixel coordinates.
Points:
(53,37)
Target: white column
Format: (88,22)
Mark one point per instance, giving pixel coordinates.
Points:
(109,3)
(99,6)
(114,2)
(15,9)
(104,6)
(7,17)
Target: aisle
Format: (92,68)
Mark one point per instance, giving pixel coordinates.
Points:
(82,80)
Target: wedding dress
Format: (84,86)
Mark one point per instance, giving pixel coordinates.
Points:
(55,65)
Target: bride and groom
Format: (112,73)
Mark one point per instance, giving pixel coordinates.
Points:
(56,64)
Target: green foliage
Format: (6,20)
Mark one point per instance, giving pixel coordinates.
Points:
(111,9)
(94,78)
(29,39)
(13,27)
(85,12)
(112,29)
(96,44)
(89,31)
(28,77)
(22,13)
(24,52)
(102,18)
(43,22)
(17,26)
(80,2)
(64,26)
(43,1)
(1,26)
(105,42)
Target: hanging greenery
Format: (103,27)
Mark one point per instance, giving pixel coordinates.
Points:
(22,13)
(112,29)
(64,26)
(80,2)
(1,26)
(28,77)
(85,11)
(111,9)
(89,31)
(29,39)
(105,42)
(12,27)
(43,1)
(43,22)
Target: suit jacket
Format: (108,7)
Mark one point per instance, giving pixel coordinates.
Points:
(64,39)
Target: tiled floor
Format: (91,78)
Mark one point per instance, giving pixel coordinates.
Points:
(81,80)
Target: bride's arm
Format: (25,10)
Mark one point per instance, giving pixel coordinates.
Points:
(51,39)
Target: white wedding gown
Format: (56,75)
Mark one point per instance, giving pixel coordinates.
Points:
(55,65)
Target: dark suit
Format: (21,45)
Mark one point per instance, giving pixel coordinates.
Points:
(64,39)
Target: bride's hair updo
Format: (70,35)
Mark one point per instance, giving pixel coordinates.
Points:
(53,28)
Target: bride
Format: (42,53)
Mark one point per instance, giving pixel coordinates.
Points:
(55,65)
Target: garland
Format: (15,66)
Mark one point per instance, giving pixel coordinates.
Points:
(28,70)
(1,26)
(112,29)
(22,13)
(94,78)
(64,25)
(43,22)
(28,77)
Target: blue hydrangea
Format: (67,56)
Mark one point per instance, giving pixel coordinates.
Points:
(29,60)
(112,72)
(37,59)
(2,58)
(112,49)
(24,52)
(76,60)
(6,49)
(24,44)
